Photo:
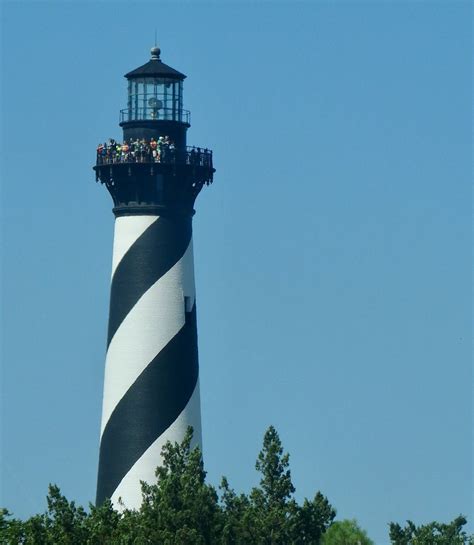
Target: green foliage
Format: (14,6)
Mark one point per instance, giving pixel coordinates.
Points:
(62,524)
(313,519)
(237,526)
(270,515)
(11,530)
(346,532)
(276,486)
(433,533)
(180,508)
(105,526)
(272,507)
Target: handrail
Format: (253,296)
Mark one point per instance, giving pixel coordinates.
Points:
(155,114)
(190,156)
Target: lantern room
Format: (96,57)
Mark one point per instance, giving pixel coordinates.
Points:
(155,93)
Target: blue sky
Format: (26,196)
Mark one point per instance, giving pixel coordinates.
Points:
(332,253)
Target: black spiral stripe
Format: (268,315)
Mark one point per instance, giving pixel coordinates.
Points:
(147,260)
(149,407)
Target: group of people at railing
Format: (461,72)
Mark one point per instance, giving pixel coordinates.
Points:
(161,150)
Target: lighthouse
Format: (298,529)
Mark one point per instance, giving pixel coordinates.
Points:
(151,382)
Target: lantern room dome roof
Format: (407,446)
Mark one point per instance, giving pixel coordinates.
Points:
(155,68)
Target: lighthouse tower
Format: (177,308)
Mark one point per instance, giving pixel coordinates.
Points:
(151,385)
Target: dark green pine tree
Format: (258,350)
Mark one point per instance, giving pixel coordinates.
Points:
(180,508)
(434,533)
(238,524)
(62,524)
(270,515)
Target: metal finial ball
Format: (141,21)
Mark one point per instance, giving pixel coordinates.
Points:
(155,52)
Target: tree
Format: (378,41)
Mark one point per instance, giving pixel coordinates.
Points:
(274,515)
(11,530)
(434,533)
(313,520)
(62,524)
(346,532)
(271,504)
(238,518)
(105,526)
(180,507)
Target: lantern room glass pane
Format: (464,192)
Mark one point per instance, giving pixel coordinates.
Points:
(155,98)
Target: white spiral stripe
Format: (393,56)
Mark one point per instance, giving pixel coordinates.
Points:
(151,324)
(144,468)
(127,230)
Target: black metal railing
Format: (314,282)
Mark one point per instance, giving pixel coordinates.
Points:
(165,155)
(155,114)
